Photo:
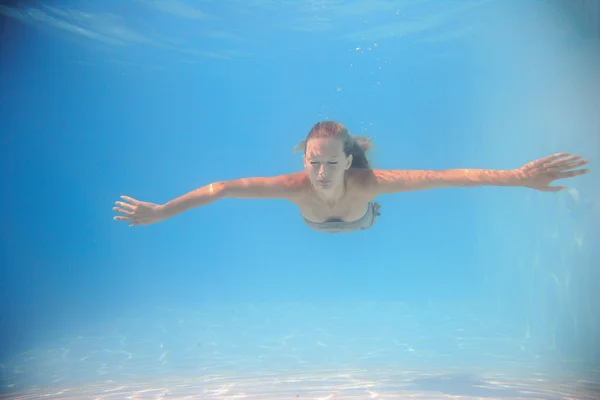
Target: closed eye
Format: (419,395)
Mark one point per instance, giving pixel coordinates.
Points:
(317,162)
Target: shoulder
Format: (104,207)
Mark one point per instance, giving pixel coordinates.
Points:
(291,181)
(296,180)
(287,186)
(378,181)
(295,185)
(362,180)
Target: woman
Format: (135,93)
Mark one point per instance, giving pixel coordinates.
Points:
(336,190)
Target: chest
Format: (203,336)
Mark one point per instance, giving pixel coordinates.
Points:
(350,209)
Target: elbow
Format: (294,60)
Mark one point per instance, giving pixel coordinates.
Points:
(218,190)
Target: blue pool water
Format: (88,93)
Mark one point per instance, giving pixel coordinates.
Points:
(487,292)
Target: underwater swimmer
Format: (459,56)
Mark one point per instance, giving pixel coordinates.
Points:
(335,193)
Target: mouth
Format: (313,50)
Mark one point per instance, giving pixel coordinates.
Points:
(323,182)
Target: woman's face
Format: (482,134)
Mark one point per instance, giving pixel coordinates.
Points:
(326,163)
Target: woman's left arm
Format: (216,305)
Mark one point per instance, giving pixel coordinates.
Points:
(537,174)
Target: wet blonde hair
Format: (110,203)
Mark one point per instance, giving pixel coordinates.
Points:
(356,146)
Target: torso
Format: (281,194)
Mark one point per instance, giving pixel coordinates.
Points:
(351,207)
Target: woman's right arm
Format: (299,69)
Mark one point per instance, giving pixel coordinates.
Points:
(137,212)
(278,187)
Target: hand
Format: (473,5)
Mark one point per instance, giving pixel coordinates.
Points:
(540,173)
(137,212)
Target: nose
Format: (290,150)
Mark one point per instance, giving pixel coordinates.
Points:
(322,171)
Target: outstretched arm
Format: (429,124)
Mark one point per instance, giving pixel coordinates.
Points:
(282,187)
(144,213)
(536,174)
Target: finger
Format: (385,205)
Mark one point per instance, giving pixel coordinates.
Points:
(556,156)
(121,218)
(130,199)
(551,188)
(122,211)
(564,161)
(551,158)
(574,165)
(126,205)
(570,174)
(555,171)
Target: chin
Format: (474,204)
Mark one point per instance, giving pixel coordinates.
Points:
(325,186)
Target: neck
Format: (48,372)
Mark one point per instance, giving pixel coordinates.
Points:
(333,195)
